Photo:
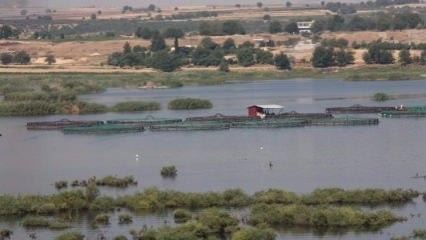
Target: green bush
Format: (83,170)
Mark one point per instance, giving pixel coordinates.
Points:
(189,103)
(318,216)
(34,222)
(34,108)
(169,171)
(57,225)
(70,236)
(182,215)
(136,106)
(254,234)
(102,219)
(381,97)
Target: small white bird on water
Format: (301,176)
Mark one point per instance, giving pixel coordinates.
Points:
(137,157)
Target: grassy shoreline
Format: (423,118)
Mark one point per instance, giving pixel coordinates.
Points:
(209,77)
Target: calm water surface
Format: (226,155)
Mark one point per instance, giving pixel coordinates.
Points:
(382,156)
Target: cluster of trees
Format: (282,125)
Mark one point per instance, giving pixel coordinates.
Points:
(350,8)
(377,54)
(276,27)
(208,53)
(21,57)
(380,22)
(190,15)
(328,57)
(390,45)
(7,32)
(215,28)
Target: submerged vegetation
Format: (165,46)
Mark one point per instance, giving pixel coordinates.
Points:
(189,103)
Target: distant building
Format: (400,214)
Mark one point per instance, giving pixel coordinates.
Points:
(305,27)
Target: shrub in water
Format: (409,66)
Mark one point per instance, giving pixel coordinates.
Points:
(125,219)
(102,219)
(136,106)
(57,225)
(182,215)
(35,222)
(169,171)
(189,103)
(70,236)
(381,97)
(218,222)
(5,233)
(254,234)
(61,184)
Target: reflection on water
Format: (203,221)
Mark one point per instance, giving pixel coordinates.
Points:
(304,158)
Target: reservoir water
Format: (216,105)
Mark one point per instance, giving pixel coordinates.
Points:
(383,156)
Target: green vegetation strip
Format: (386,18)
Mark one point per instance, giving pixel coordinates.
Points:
(153,199)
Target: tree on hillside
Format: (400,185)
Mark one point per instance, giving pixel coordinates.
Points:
(422,59)
(291,28)
(165,61)
(282,62)
(6,32)
(50,59)
(157,42)
(6,58)
(259,4)
(323,57)
(208,43)
(245,56)
(288,4)
(22,57)
(143,32)
(264,57)
(151,7)
(377,55)
(229,45)
(231,27)
(175,33)
(127,48)
(405,57)
(343,57)
(275,27)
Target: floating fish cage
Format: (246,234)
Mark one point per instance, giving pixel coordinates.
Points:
(270,123)
(190,126)
(344,121)
(148,121)
(296,115)
(219,118)
(54,125)
(358,109)
(419,111)
(104,129)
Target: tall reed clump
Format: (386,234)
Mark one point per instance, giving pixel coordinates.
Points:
(136,106)
(189,103)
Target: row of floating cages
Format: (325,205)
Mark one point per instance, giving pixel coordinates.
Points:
(104,129)
(417,111)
